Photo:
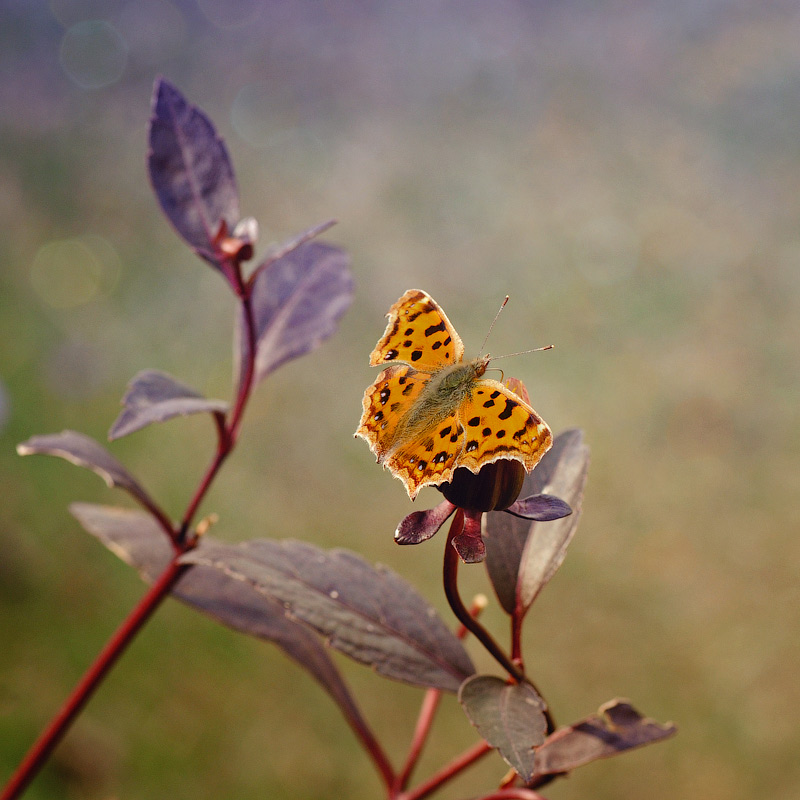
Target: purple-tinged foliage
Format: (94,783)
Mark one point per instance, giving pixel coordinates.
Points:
(522,556)
(369,613)
(154,396)
(190,170)
(419,526)
(509,716)
(83,451)
(297,300)
(135,538)
(617,727)
(540,508)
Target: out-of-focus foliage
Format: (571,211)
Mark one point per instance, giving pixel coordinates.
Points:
(628,173)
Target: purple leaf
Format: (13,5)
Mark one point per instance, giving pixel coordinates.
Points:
(368,613)
(135,538)
(190,170)
(617,727)
(522,556)
(83,451)
(154,396)
(540,507)
(509,716)
(419,526)
(297,301)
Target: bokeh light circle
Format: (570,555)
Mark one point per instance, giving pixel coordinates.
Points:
(93,54)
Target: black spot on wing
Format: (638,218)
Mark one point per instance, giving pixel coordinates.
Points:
(440,328)
(416,355)
(510,406)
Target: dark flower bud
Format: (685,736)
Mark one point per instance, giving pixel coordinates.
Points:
(495,487)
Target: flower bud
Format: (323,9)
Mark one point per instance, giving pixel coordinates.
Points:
(495,487)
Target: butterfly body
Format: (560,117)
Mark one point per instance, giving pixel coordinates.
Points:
(430,411)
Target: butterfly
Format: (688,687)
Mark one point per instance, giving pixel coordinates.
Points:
(431,411)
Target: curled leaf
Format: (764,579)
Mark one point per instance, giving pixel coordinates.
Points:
(79,449)
(617,727)
(509,716)
(369,613)
(297,301)
(154,396)
(190,170)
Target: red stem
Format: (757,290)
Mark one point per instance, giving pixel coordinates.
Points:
(108,656)
(450,579)
(513,793)
(447,772)
(426,715)
(227,434)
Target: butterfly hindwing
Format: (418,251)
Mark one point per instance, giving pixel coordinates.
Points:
(418,333)
(385,404)
(500,424)
(430,458)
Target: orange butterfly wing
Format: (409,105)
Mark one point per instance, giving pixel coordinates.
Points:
(385,403)
(500,424)
(490,423)
(419,334)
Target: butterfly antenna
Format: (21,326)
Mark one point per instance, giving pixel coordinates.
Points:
(523,352)
(486,338)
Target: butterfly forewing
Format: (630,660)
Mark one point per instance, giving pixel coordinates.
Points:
(418,333)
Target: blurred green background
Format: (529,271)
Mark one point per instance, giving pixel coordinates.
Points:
(628,172)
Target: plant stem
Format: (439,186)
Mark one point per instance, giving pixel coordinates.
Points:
(450,579)
(513,793)
(226,440)
(447,772)
(426,714)
(228,431)
(116,645)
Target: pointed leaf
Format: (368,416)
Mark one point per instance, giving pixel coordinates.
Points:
(297,301)
(154,396)
(540,507)
(134,537)
(522,556)
(368,613)
(190,169)
(83,451)
(509,716)
(617,727)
